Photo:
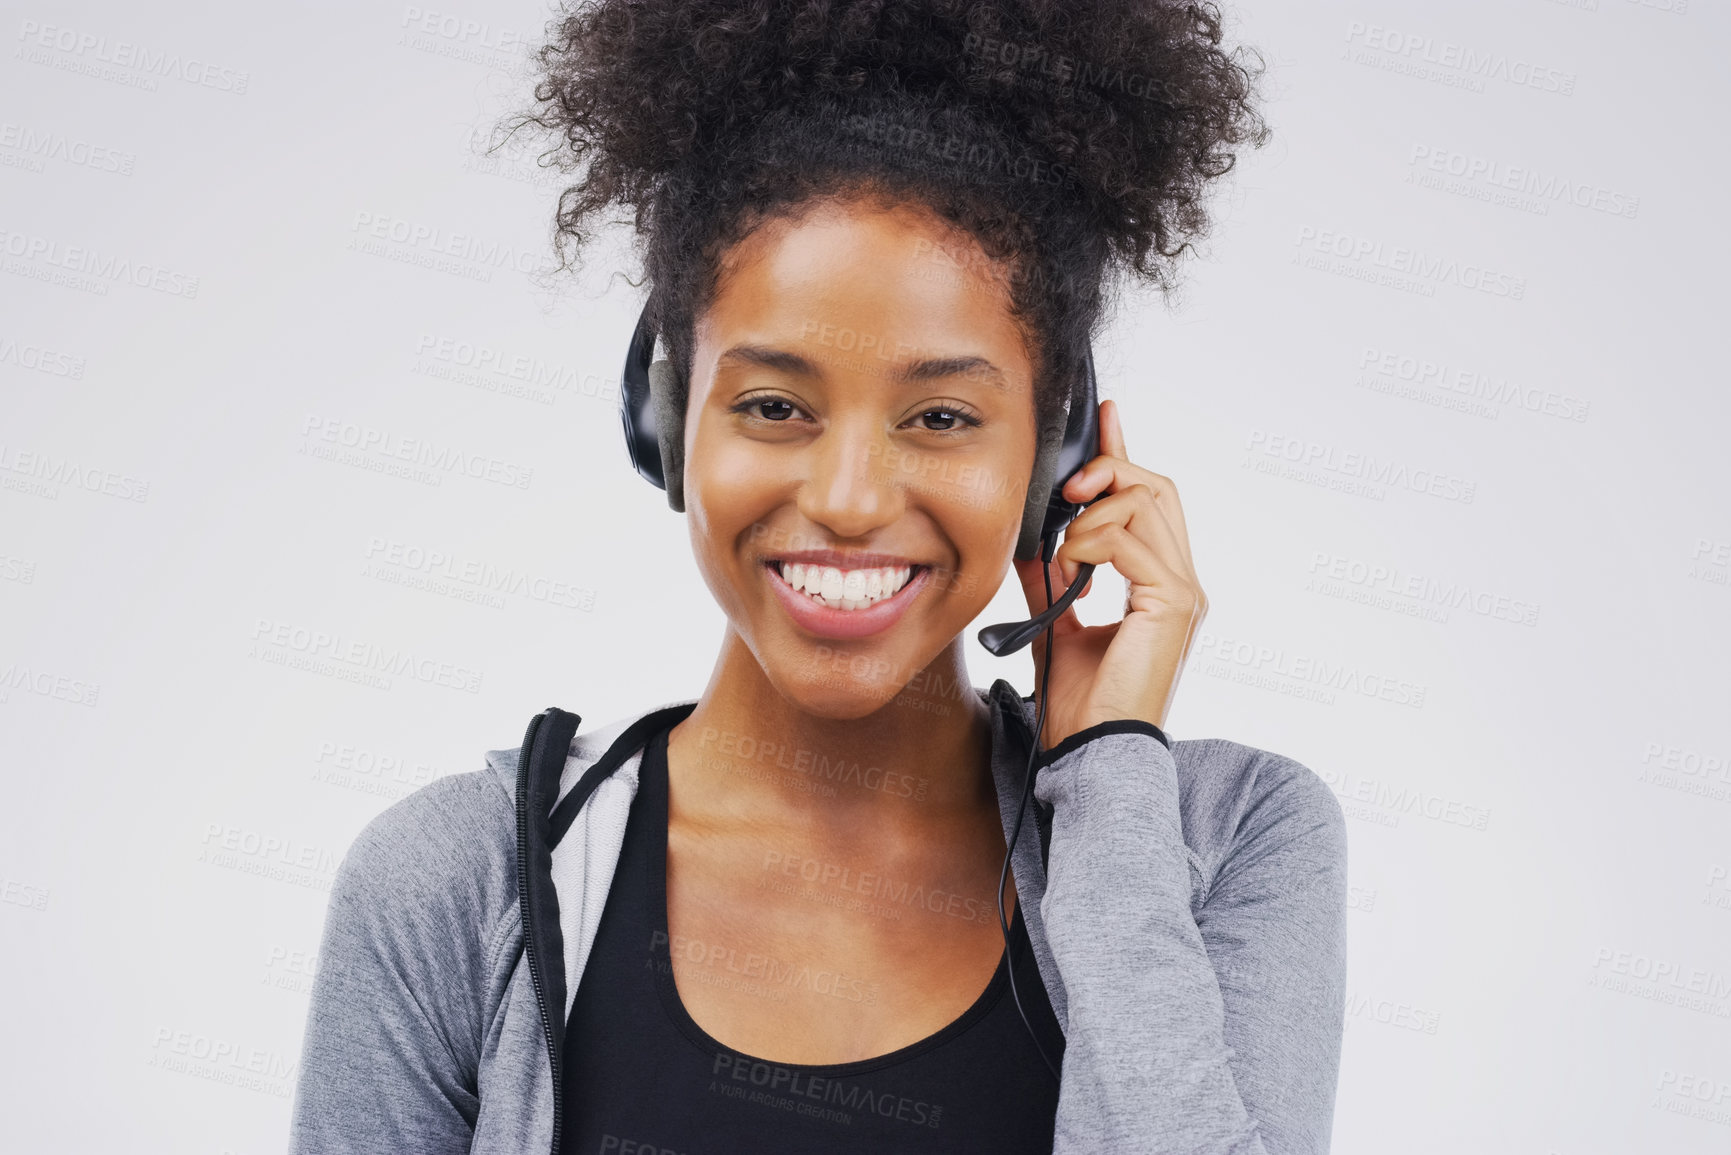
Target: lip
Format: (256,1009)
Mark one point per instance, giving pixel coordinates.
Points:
(856,559)
(830,622)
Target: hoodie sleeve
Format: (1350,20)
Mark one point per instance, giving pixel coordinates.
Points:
(1199,1029)
(396,1025)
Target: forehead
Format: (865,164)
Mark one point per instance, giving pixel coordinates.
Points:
(895,272)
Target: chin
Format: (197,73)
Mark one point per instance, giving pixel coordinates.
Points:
(833,691)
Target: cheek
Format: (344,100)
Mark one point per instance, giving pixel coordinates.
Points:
(727,493)
(724,482)
(1000,496)
(983,517)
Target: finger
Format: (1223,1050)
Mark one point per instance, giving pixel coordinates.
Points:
(1172,507)
(1108,475)
(1154,584)
(1111,445)
(1111,431)
(1138,511)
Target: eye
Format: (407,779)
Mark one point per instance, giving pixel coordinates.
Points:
(950,419)
(770,408)
(765,407)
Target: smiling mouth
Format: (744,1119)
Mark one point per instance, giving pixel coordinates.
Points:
(844,589)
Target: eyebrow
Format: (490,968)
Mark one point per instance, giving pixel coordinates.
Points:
(927,369)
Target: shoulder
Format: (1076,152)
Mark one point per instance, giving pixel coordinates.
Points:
(457,819)
(413,966)
(444,855)
(1239,801)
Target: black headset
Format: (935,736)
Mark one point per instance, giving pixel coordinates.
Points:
(655,437)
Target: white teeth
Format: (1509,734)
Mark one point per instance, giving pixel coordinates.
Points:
(846,589)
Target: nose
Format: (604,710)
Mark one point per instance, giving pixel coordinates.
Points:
(850,488)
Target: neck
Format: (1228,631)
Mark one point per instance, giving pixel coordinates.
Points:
(923,756)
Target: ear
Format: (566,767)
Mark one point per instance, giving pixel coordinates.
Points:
(669,429)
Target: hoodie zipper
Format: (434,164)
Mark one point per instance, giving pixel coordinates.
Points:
(528,929)
(627,743)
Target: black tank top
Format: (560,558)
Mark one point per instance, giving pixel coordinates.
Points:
(641,1076)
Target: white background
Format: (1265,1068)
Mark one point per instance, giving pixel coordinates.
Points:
(1520,699)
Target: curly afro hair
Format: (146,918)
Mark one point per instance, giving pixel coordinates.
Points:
(1067,138)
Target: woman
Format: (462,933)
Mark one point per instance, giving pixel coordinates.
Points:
(768,920)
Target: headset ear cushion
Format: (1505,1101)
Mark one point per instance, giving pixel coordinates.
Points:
(1039,493)
(669,411)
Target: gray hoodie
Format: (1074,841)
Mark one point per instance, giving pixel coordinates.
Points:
(1186,906)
